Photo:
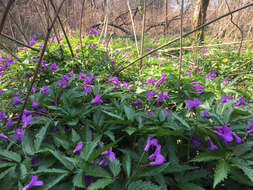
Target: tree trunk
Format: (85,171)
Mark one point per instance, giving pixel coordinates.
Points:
(199,18)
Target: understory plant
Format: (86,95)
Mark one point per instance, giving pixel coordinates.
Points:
(83,128)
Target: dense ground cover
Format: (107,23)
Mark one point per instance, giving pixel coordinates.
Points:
(86,129)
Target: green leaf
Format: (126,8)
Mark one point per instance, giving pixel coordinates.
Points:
(190,186)
(4,173)
(23,171)
(89,148)
(100,184)
(181,120)
(75,136)
(93,170)
(113,115)
(27,143)
(6,164)
(221,172)
(130,130)
(53,181)
(78,180)
(127,165)
(162,116)
(115,167)
(248,172)
(152,171)
(205,158)
(62,159)
(10,155)
(39,137)
(143,185)
(130,113)
(50,171)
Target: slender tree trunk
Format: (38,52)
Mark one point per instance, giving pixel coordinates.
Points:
(166,17)
(143,29)
(199,18)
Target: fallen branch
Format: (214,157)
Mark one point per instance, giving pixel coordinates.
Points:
(185,35)
(18,42)
(113,25)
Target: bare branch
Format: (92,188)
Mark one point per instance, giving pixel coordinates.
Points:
(8,7)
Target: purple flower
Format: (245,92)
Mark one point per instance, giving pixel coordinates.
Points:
(250,127)
(45,90)
(97,99)
(109,153)
(32,42)
(34,90)
(159,158)
(16,100)
(125,84)
(26,120)
(241,101)
(72,73)
(165,112)
(196,141)
(4,137)
(150,142)
(205,113)
(198,86)
(87,89)
(20,134)
(150,94)
(212,146)
(137,103)
(34,182)
(193,104)
(187,71)
(2,115)
(35,104)
(161,96)
(226,81)
(88,180)
(93,31)
(54,67)
(198,68)
(204,52)
(151,81)
(225,133)
(210,75)
(161,80)
(78,147)
(225,99)
(8,123)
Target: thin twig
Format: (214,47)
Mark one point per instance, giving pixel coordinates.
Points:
(143,30)
(8,7)
(39,62)
(181,46)
(238,27)
(42,23)
(133,26)
(185,35)
(15,22)
(81,26)
(63,30)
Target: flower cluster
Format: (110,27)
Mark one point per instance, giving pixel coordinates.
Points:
(159,158)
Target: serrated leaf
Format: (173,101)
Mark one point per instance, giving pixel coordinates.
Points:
(181,120)
(4,173)
(205,158)
(115,167)
(23,171)
(10,155)
(61,158)
(89,148)
(39,137)
(27,143)
(75,136)
(221,172)
(190,186)
(54,181)
(113,115)
(94,170)
(141,185)
(130,130)
(152,171)
(127,165)
(248,172)
(78,180)
(100,184)
(49,171)
(130,113)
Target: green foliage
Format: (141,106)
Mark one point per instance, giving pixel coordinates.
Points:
(75,141)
